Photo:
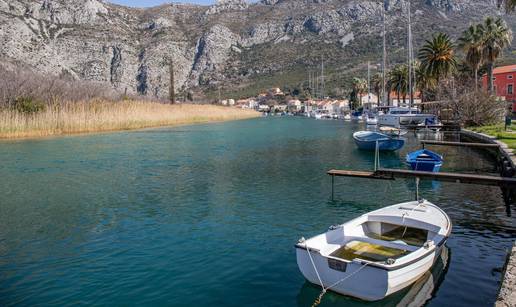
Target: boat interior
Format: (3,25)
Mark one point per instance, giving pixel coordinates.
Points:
(381,241)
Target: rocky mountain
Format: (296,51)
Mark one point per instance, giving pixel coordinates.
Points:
(233,46)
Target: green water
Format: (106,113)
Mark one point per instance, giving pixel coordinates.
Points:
(208,215)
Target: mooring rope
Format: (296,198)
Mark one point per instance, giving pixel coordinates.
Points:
(325,289)
(419,203)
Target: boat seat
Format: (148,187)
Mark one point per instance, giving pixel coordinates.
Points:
(368,251)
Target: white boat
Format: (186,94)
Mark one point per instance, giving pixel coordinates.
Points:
(371,121)
(378,253)
(347,117)
(391,131)
(404,116)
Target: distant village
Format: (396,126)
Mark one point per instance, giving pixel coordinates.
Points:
(275,101)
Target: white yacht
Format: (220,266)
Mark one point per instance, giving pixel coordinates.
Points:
(378,253)
(399,117)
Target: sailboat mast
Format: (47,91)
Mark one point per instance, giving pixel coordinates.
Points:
(368,84)
(410,59)
(384,58)
(322,79)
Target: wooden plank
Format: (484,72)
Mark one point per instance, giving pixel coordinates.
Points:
(460,144)
(450,177)
(356,174)
(391,174)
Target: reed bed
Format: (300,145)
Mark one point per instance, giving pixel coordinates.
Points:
(99,116)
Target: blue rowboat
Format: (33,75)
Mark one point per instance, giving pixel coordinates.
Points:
(424,160)
(367,140)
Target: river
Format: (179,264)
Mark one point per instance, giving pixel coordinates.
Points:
(209,215)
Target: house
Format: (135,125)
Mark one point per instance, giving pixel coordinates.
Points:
(294,105)
(369,102)
(503,79)
(403,101)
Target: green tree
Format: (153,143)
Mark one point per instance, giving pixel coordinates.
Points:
(376,85)
(437,57)
(425,83)
(398,81)
(495,37)
(359,87)
(471,42)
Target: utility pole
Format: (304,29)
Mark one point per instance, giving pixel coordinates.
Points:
(172,90)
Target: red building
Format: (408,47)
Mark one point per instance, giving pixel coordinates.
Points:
(504,81)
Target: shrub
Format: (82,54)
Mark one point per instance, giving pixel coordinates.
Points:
(28,105)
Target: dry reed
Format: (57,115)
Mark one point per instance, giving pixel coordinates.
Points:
(98,116)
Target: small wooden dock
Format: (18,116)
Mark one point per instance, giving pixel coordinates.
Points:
(458,144)
(392,174)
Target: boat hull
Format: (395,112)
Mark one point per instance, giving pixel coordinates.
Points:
(384,145)
(368,283)
(425,166)
(424,160)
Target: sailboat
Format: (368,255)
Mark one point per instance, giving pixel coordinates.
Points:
(406,116)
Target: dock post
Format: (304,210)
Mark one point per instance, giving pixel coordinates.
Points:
(332,187)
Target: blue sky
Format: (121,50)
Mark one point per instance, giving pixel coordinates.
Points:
(145,3)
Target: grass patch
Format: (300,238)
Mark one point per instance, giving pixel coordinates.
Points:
(100,116)
(498,131)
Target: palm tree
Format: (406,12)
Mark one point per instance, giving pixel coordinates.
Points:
(424,82)
(471,43)
(376,85)
(495,37)
(437,57)
(398,81)
(359,87)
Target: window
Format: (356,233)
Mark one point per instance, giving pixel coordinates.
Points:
(494,78)
(509,77)
(510,89)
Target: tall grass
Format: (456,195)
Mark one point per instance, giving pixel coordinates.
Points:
(100,115)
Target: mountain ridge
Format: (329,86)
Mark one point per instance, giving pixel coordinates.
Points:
(233,46)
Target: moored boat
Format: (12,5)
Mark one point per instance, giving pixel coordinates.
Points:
(367,140)
(378,253)
(371,121)
(424,160)
(391,131)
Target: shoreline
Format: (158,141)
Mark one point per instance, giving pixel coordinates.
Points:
(100,118)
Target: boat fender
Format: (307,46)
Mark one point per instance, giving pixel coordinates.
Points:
(302,240)
(390,261)
(333,227)
(429,244)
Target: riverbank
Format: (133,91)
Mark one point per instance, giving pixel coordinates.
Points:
(103,116)
(498,132)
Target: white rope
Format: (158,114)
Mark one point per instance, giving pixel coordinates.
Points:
(313,264)
(325,289)
(408,214)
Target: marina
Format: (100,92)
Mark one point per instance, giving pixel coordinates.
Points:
(195,205)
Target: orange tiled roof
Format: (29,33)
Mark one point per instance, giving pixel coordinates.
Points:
(504,69)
